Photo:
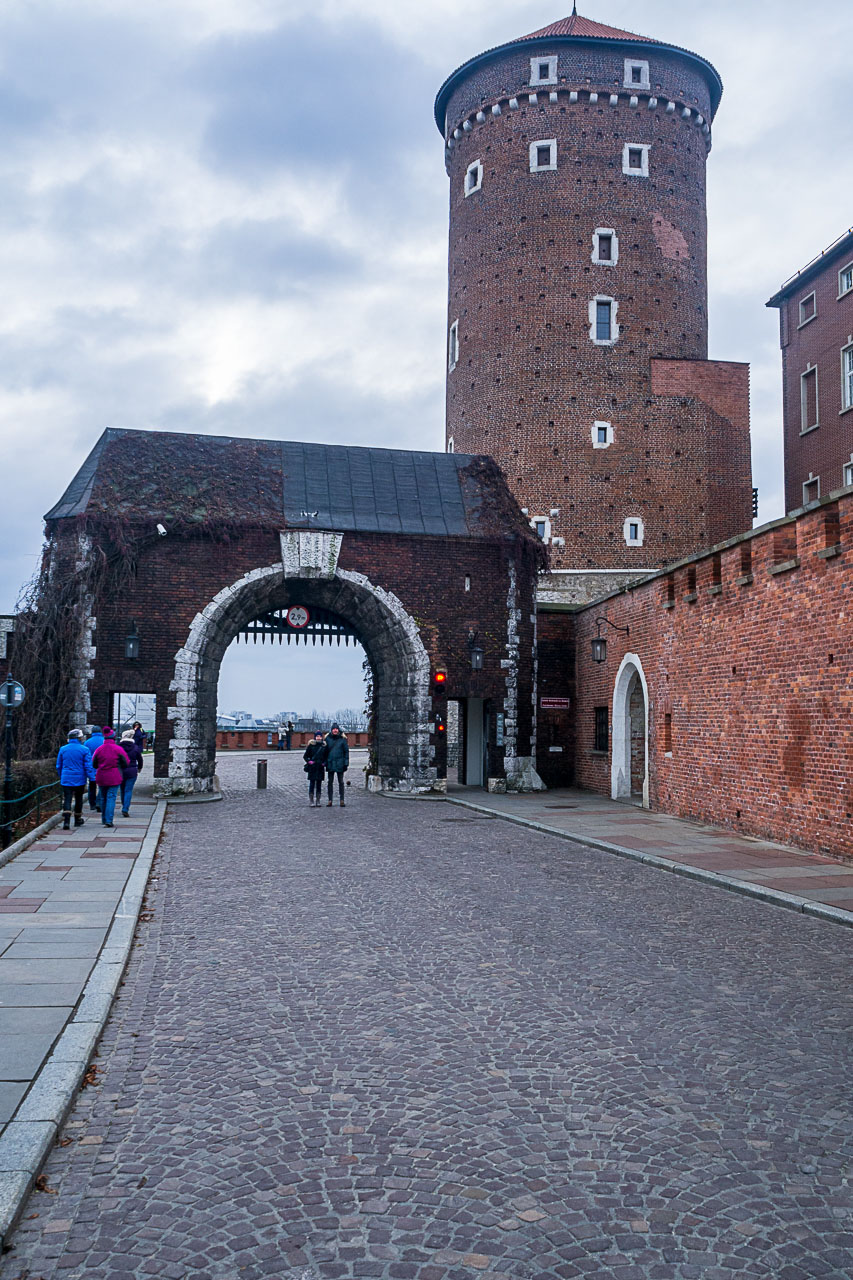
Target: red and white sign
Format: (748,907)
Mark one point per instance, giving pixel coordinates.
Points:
(554,704)
(298,616)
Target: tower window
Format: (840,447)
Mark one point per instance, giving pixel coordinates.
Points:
(847,378)
(450,447)
(543,70)
(473,177)
(808,309)
(808,400)
(845,279)
(636,74)
(602,435)
(543,155)
(635,159)
(541,526)
(603,328)
(453,346)
(633,531)
(811,489)
(605,247)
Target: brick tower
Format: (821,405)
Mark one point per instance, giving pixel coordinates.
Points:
(577,322)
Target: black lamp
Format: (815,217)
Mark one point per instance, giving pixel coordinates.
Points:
(599,642)
(131,644)
(475,651)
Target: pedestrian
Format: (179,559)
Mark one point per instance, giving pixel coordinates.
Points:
(133,751)
(93,741)
(110,761)
(337,760)
(315,766)
(138,735)
(288,736)
(74,766)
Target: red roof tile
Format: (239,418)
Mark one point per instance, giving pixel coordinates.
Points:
(578,26)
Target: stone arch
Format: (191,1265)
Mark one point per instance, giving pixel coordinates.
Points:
(630,678)
(391,641)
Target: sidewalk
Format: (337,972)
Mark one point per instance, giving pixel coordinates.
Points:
(777,873)
(68,909)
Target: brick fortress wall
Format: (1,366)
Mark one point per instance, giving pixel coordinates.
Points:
(747,651)
(529,384)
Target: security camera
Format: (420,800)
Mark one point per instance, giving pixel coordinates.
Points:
(161,529)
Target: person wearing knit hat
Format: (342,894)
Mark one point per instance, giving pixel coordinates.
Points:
(130,772)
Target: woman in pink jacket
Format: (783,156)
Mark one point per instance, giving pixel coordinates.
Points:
(110,761)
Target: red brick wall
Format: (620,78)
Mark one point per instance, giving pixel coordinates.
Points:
(757,675)
(529,382)
(823,451)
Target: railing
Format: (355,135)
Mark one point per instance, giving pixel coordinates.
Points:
(10,826)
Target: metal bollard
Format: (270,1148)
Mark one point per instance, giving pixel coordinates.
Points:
(262,775)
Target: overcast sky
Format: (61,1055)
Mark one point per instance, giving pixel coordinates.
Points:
(231,215)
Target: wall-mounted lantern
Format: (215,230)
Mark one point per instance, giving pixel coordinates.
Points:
(474,650)
(131,644)
(599,642)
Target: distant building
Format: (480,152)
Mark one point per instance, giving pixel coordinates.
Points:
(816,335)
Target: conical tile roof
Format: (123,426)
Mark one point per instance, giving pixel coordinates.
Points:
(578,26)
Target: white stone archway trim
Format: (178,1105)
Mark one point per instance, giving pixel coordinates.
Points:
(620,759)
(390,634)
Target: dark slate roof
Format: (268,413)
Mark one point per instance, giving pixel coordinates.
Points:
(163,476)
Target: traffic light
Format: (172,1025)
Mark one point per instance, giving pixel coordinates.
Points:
(439,682)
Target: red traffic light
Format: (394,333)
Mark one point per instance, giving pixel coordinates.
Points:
(440,677)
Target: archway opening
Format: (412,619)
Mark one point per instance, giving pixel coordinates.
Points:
(399,667)
(630,758)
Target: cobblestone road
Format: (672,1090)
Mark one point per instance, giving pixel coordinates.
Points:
(399,1040)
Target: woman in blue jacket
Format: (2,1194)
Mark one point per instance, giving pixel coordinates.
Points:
(74,766)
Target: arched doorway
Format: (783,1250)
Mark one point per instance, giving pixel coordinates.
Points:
(307,575)
(629,770)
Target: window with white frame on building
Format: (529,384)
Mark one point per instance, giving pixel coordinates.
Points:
(450,445)
(602,435)
(543,155)
(636,74)
(635,159)
(543,70)
(453,346)
(808,400)
(541,526)
(847,377)
(848,471)
(603,329)
(845,279)
(811,489)
(605,246)
(633,531)
(473,177)
(807,309)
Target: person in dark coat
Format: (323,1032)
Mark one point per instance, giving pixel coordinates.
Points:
(74,766)
(133,751)
(93,741)
(315,766)
(337,759)
(138,735)
(110,761)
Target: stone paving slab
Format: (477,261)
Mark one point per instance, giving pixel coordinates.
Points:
(776,873)
(418,1043)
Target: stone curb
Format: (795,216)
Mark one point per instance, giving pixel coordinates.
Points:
(775,897)
(28,1137)
(30,838)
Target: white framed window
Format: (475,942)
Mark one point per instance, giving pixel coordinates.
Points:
(635,159)
(543,70)
(543,155)
(634,531)
(605,247)
(809,414)
(602,435)
(473,177)
(541,526)
(453,346)
(603,329)
(845,279)
(848,472)
(847,377)
(449,446)
(636,74)
(807,309)
(811,489)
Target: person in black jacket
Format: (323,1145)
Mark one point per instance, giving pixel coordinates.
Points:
(129,774)
(315,766)
(337,759)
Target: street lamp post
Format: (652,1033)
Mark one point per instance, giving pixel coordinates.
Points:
(11,696)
